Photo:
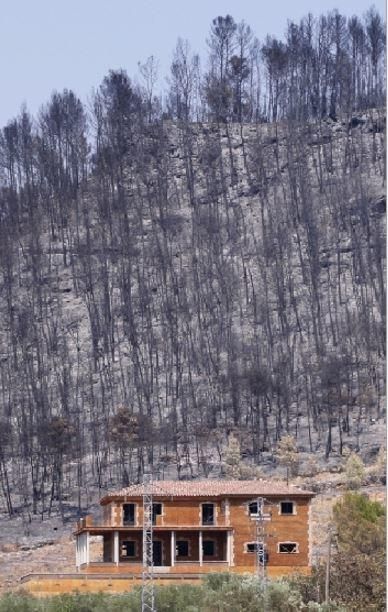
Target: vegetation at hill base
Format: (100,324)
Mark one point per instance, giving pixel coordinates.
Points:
(357,573)
(220,593)
(360,553)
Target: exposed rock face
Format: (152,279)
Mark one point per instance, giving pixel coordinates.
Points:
(214,278)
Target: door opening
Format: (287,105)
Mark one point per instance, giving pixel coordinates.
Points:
(157,552)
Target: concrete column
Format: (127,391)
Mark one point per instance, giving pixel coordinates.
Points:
(200,549)
(112,547)
(173,545)
(87,548)
(82,548)
(227,512)
(116,544)
(228,547)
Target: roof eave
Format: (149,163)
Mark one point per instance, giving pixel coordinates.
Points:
(126,497)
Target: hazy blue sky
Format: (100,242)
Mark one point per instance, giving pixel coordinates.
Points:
(53,44)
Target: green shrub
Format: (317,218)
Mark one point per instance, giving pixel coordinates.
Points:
(185,597)
(19,603)
(233,594)
(80,602)
(358,568)
(219,592)
(247,593)
(282,597)
(355,471)
(216,581)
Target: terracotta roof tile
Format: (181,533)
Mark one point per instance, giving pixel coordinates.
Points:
(210,488)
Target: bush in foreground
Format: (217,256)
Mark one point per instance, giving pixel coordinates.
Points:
(218,593)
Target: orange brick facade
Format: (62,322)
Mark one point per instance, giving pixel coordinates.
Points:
(188,541)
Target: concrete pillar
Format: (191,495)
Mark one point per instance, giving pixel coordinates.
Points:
(81,546)
(228,547)
(87,551)
(200,549)
(116,545)
(84,546)
(227,512)
(173,548)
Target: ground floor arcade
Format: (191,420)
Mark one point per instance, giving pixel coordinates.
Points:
(172,548)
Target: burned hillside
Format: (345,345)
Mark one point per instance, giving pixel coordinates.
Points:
(224,278)
(172,272)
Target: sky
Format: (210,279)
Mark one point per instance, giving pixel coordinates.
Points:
(48,45)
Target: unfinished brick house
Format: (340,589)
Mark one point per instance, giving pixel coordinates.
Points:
(200,526)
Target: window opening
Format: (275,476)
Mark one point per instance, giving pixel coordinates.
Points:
(286,507)
(288,547)
(128,514)
(128,548)
(182,548)
(208,548)
(207,514)
(253,547)
(156,511)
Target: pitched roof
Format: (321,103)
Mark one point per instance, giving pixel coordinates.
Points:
(209,488)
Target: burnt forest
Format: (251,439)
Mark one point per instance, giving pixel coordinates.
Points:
(193,257)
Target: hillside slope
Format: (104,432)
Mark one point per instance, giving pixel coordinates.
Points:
(209,278)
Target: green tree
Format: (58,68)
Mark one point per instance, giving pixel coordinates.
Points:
(357,577)
(287,455)
(355,471)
